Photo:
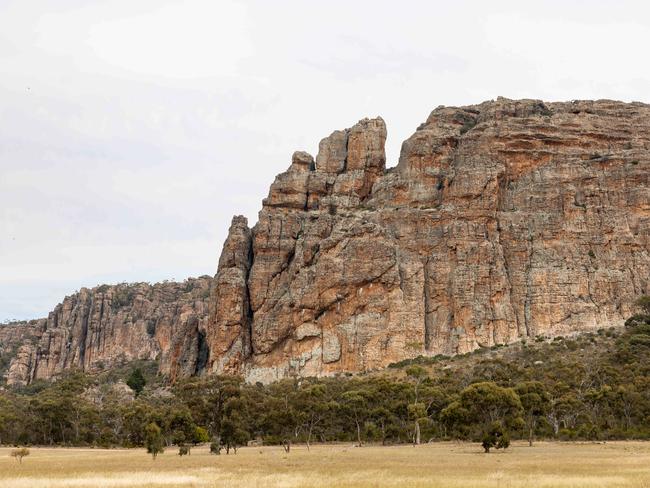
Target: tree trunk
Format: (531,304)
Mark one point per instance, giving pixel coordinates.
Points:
(358,433)
(287,445)
(416,437)
(530,436)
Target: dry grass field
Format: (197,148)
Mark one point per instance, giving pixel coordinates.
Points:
(613,464)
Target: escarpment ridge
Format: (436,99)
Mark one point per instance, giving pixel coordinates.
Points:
(501,221)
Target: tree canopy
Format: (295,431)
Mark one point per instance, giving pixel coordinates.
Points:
(592,386)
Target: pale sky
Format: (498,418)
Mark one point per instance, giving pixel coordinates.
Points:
(131,131)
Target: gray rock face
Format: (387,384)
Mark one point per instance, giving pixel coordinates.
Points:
(98,328)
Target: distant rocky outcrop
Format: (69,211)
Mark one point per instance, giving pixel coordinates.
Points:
(98,328)
(501,221)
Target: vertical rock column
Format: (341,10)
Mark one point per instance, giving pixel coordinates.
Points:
(348,164)
(228,336)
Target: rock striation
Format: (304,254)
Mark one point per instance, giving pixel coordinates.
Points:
(501,221)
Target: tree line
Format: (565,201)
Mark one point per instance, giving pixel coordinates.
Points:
(589,387)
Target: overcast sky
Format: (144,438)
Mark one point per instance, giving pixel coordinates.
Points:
(131,131)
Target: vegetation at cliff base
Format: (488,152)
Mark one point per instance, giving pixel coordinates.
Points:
(136,381)
(593,386)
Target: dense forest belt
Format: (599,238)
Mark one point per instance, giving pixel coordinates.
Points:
(591,386)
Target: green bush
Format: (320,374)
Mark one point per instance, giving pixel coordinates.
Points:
(496,436)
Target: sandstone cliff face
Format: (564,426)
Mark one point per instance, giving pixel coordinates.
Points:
(105,326)
(502,221)
(16,350)
(228,333)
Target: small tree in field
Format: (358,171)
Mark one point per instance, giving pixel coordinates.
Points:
(535,402)
(232,433)
(354,407)
(154,439)
(417,410)
(490,409)
(495,436)
(215,445)
(179,440)
(19,454)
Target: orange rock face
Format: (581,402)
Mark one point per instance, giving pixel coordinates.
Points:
(502,221)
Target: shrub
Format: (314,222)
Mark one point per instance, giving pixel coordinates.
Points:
(154,439)
(136,381)
(644,304)
(122,297)
(496,436)
(637,320)
(640,340)
(215,446)
(567,434)
(468,124)
(200,435)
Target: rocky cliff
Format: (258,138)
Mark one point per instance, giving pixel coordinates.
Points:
(501,221)
(99,328)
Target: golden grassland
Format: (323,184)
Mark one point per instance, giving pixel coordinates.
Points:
(575,465)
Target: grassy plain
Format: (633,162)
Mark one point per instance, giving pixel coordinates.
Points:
(456,465)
